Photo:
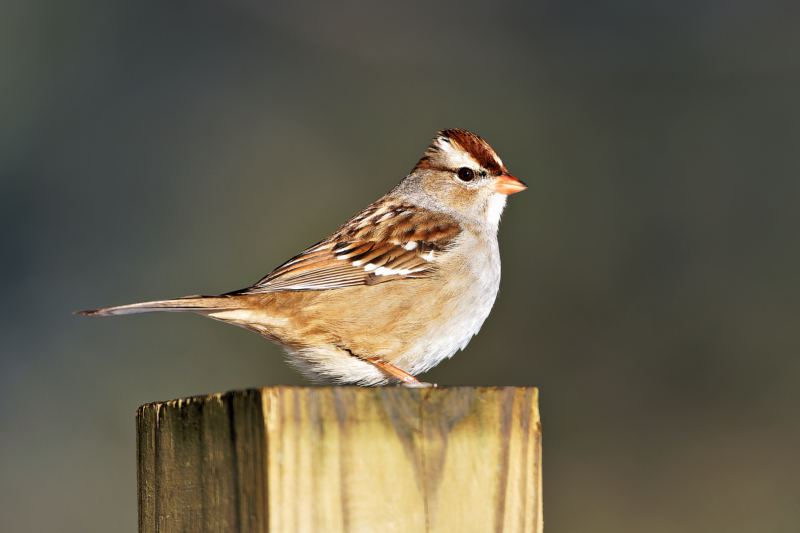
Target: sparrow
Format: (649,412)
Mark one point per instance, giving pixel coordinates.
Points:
(398,288)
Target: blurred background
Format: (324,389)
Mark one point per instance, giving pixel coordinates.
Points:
(651,286)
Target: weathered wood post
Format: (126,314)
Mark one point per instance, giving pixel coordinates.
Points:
(342,459)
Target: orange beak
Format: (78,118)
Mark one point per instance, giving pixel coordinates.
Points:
(505,183)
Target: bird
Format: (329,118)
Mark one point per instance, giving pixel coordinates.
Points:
(398,288)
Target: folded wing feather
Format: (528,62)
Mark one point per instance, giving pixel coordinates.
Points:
(384,242)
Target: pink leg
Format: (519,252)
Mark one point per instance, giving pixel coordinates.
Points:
(405,378)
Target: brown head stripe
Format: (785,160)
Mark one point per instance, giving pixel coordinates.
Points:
(476,147)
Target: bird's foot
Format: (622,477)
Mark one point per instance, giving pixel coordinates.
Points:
(406,379)
(417,384)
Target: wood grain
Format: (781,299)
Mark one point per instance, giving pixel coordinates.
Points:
(342,459)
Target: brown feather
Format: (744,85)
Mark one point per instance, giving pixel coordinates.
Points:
(376,236)
(481,152)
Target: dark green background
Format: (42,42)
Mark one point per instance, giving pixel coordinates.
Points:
(651,286)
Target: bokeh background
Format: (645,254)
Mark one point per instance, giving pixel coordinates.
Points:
(651,286)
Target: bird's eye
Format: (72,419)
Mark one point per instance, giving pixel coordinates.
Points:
(465,174)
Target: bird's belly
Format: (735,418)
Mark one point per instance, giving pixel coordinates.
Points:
(413,324)
(466,310)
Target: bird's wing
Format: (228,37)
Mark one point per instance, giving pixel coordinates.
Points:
(385,242)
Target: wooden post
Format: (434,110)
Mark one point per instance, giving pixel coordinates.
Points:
(342,459)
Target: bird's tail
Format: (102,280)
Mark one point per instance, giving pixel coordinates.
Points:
(196,304)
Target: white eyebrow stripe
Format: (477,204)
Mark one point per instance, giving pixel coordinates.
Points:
(460,158)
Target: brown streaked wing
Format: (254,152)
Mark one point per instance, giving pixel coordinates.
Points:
(372,247)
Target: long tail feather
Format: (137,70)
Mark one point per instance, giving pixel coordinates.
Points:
(197,304)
